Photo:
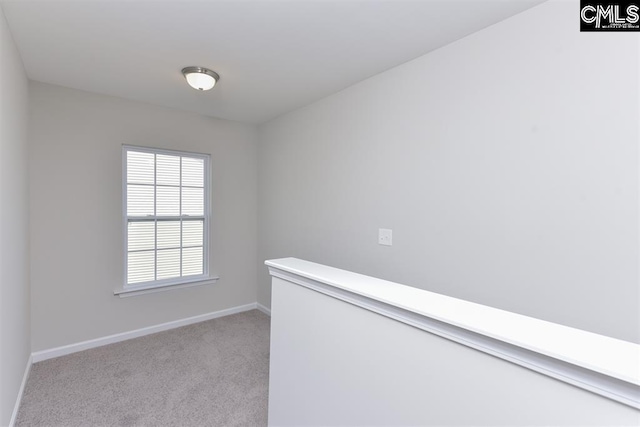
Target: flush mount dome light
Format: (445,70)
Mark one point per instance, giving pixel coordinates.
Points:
(200,78)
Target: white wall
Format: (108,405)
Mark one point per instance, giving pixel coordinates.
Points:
(15,344)
(333,363)
(76,217)
(506,164)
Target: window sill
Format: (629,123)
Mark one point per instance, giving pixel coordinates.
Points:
(131,292)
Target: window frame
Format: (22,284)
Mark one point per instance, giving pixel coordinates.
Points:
(177,282)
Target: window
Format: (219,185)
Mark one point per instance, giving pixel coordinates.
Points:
(166,215)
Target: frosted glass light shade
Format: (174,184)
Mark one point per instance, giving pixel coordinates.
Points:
(200,78)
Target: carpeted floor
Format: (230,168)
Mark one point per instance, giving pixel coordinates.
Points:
(214,373)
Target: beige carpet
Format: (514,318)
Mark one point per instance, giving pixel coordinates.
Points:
(213,373)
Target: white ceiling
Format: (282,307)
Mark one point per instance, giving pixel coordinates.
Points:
(272,56)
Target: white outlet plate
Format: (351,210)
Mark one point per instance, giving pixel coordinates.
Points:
(385,236)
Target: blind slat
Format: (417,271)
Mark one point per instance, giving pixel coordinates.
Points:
(167,201)
(140,167)
(168,234)
(167,170)
(141,267)
(168,263)
(192,172)
(140,200)
(192,201)
(192,261)
(192,233)
(141,236)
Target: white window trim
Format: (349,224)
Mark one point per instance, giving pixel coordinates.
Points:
(132,291)
(173,283)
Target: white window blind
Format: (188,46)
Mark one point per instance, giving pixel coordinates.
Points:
(166,216)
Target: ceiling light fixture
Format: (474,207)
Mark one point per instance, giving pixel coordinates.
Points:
(200,78)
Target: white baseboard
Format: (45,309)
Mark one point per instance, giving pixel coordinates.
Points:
(263,309)
(39,356)
(27,369)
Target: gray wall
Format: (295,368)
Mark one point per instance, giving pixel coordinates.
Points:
(506,164)
(76,213)
(15,345)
